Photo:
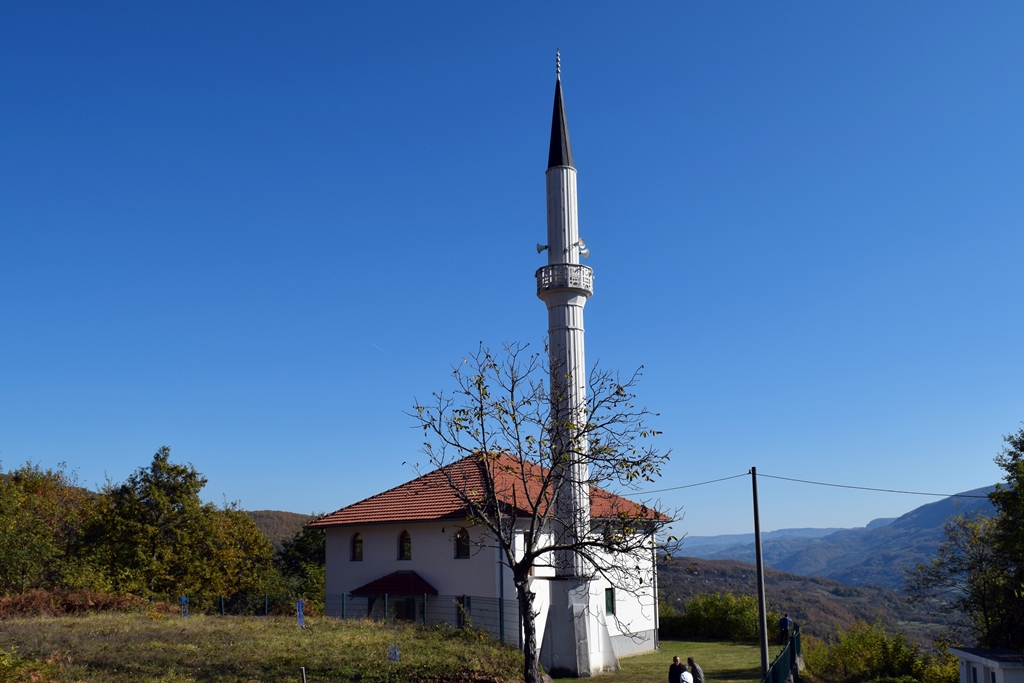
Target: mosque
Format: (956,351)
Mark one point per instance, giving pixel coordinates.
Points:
(414,545)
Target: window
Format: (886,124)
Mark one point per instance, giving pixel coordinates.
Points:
(993,676)
(974,674)
(462,543)
(357,548)
(609,601)
(404,546)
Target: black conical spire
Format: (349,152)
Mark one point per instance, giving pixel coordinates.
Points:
(560,151)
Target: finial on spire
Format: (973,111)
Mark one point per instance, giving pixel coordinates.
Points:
(560,152)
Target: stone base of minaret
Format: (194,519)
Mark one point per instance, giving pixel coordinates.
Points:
(576,638)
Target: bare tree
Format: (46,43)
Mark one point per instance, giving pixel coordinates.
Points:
(515,453)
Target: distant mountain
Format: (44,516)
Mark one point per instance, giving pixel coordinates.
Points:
(820,605)
(730,540)
(875,554)
(277,525)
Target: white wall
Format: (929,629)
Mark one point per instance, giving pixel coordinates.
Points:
(433,558)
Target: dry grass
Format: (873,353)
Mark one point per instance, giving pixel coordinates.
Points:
(109,648)
(60,602)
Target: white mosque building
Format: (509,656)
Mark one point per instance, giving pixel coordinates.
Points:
(411,553)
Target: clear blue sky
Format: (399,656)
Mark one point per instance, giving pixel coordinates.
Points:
(255,232)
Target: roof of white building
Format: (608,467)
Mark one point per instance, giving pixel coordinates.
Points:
(519,486)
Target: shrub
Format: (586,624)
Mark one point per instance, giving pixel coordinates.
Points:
(867,653)
(59,602)
(715,616)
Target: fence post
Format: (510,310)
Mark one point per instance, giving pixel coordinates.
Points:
(266,605)
(501,620)
(343,606)
(424,609)
(222,605)
(385,607)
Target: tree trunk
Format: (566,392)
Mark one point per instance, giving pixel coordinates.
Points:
(531,663)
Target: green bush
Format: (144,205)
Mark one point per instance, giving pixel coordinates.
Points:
(715,616)
(868,653)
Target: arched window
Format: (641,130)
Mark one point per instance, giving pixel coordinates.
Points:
(404,546)
(461,543)
(357,547)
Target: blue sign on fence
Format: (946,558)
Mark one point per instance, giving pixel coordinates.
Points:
(183,601)
(299,605)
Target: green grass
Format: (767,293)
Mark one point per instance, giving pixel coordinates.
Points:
(109,648)
(118,647)
(721,662)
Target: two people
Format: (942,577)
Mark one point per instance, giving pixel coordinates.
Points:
(678,672)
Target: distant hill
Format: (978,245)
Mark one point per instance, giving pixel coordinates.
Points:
(733,540)
(875,554)
(277,525)
(820,605)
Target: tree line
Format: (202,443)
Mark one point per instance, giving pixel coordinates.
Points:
(977,574)
(151,534)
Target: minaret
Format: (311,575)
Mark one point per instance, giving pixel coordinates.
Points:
(565,285)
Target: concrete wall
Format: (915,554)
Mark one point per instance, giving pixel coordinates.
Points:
(629,631)
(971,665)
(433,558)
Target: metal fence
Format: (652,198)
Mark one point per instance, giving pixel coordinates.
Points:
(787,665)
(262,604)
(498,617)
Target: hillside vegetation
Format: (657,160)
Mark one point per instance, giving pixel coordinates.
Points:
(820,605)
(151,534)
(278,526)
(873,555)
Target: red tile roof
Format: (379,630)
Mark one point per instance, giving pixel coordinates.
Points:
(397,583)
(430,497)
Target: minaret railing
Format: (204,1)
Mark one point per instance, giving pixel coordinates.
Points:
(565,276)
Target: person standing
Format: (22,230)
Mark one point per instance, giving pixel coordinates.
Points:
(675,671)
(785,623)
(695,671)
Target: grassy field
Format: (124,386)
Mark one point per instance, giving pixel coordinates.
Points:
(109,648)
(118,647)
(721,662)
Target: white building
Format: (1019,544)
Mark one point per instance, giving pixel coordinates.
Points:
(410,551)
(980,665)
(414,545)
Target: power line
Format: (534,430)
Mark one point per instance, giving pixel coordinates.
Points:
(868,488)
(816,483)
(688,486)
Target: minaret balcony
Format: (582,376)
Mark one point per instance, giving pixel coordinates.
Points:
(570,276)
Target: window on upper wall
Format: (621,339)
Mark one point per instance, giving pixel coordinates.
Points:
(461,544)
(404,546)
(609,601)
(357,548)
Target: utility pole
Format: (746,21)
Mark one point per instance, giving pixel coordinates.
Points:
(762,612)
